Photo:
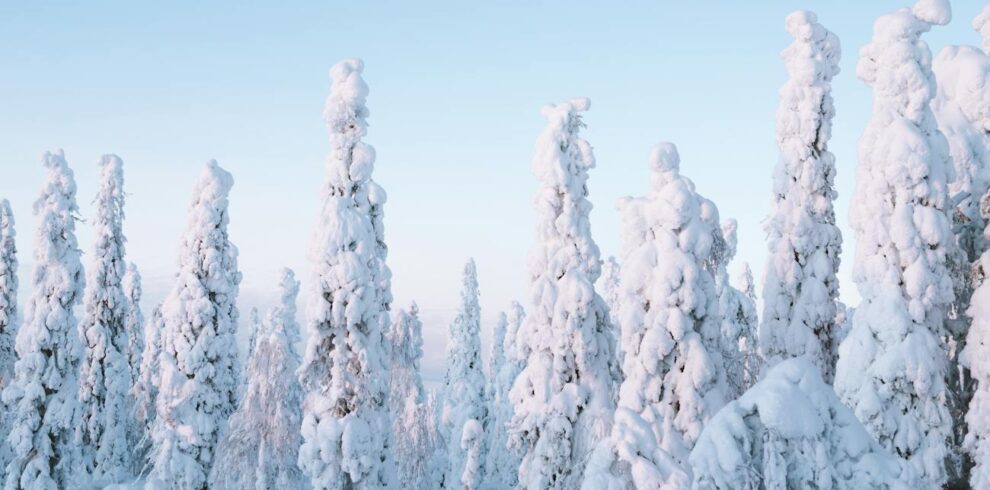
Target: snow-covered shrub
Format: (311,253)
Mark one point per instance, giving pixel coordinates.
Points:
(105,375)
(502,462)
(346,426)
(197,388)
(464,408)
(260,448)
(892,364)
(564,397)
(41,399)
(800,287)
(791,431)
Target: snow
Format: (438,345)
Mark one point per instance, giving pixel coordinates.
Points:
(346,426)
(791,431)
(198,361)
(105,373)
(892,365)
(502,462)
(564,396)
(465,413)
(8,317)
(260,448)
(41,398)
(416,441)
(800,287)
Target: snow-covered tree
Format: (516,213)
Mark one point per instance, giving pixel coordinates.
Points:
(674,379)
(752,359)
(346,426)
(254,323)
(608,283)
(8,317)
(260,448)
(41,399)
(464,409)
(105,375)
(564,397)
(791,431)
(198,384)
(502,463)
(144,392)
(892,365)
(738,321)
(133,320)
(800,288)
(962,110)
(977,357)
(413,438)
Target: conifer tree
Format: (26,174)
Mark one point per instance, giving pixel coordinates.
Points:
(198,384)
(800,289)
(346,426)
(564,396)
(892,364)
(8,318)
(105,375)
(41,399)
(464,409)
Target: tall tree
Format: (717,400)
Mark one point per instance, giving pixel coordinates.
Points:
(414,440)
(674,379)
(892,364)
(198,384)
(977,357)
(346,427)
(564,397)
(260,448)
(8,318)
(800,288)
(105,376)
(41,398)
(502,463)
(464,389)
(738,325)
(961,110)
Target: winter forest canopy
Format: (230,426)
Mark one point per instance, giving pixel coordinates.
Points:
(655,368)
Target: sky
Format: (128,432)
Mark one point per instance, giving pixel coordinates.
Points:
(455,96)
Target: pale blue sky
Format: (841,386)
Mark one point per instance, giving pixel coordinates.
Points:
(456,90)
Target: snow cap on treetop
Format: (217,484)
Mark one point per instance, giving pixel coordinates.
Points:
(214,178)
(801,24)
(345,110)
(937,12)
(577,104)
(664,158)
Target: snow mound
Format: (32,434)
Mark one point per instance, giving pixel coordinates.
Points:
(791,431)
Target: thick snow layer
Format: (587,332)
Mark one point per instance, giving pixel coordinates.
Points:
(791,431)
(977,358)
(41,400)
(465,413)
(105,372)
(800,288)
(892,364)
(564,397)
(346,427)
(198,361)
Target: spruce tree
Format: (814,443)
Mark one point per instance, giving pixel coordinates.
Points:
(464,409)
(800,290)
(105,375)
(892,364)
(564,396)
(8,319)
(41,399)
(198,384)
(346,426)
